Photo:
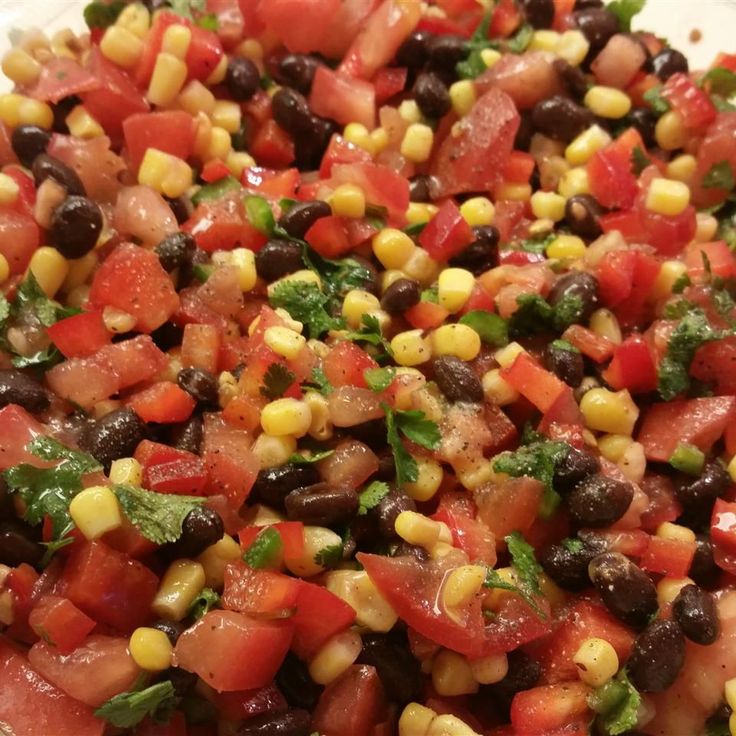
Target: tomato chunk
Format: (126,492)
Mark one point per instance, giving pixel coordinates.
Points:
(59,622)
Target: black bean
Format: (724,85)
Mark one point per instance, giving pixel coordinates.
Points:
(114,436)
(18,388)
(176,250)
(703,568)
(525,133)
(718,720)
(456,379)
(291,110)
(575,467)
(181,207)
(278,258)
(700,494)
(432,95)
(29,141)
(299,218)
(294,722)
(645,121)
(420,188)
(392,504)
(579,284)
(372,282)
(413,51)
(572,78)
(242,79)
(668,62)
(567,564)
(273,485)
(202,528)
(523,674)
(386,468)
(539,13)
(188,435)
(626,590)
(446,51)
(696,612)
(322,504)
(7,509)
(482,254)
(201,385)
(597,25)
(182,680)
(172,629)
(47,167)
(560,118)
(295,683)
(582,213)
(599,501)
(657,657)
(399,671)
(297,71)
(17,544)
(585,4)
(371,433)
(311,142)
(167,336)
(61,110)
(566,364)
(403,294)
(76,225)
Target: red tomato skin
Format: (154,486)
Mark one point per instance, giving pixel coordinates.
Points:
(231,651)
(388,82)
(723,525)
(312,30)
(31,706)
(340,151)
(135,360)
(170,131)
(17,429)
(510,506)
(272,146)
(426,315)
(714,363)
(258,591)
(19,238)
(342,98)
(690,101)
(718,256)
(505,20)
(612,182)
(60,622)
(291,533)
(632,367)
(447,234)
(221,225)
(185,476)
(62,77)
(80,335)
(163,402)
(272,182)
(329,237)
(84,381)
(595,347)
(670,557)
(346,364)
(532,381)
(543,709)
(108,586)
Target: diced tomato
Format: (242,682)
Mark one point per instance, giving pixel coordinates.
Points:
(469,535)
(163,402)
(632,366)
(719,145)
(346,363)
(519,168)
(329,237)
(135,360)
(612,180)
(271,182)
(718,256)
(723,525)
(32,706)
(340,151)
(388,82)
(248,704)
(291,533)
(669,234)
(595,347)
(84,381)
(272,146)
(26,200)
(312,29)
(258,592)
(671,557)
(17,430)
(171,131)
(693,104)
(381,185)
(132,279)
(342,98)
(221,225)
(532,381)
(62,77)
(714,363)
(426,315)
(169,470)
(80,335)
(109,586)
(60,623)
(19,238)
(221,642)
(447,234)
(512,505)
(699,422)
(540,710)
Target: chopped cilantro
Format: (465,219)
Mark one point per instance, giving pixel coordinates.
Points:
(379,379)
(681,283)
(687,459)
(494,580)
(573,545)
(216,190)
(276,381)
(306,303)
(127,710)
(491,328)
(524,562)
(658,103)
(204,603)
(617,704)
(209,22)
(371,333)
(265,549)
(720,176)
(537,244)
(319,382)
(416,427)
(415,228)
(338,276)
(474,66)
(260,215)
(299,458)
(639,160)
(563,345)
(202,271)
(44,359)
(677,309)
(372,496)
(186,8)
(520,41)
(431,295)
(330,556)
(720,81)
(102,15)
(30,299)
(567,311)
(625,10)
(537,315)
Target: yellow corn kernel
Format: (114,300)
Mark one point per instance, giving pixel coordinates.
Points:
(4,269)
(9,190)
(582,148)
(10,109)
(169,75)
(729,693)
(358,135)
(732,468)
(372,610)
(410,112)
(670,132)
(633,464)
(167,174)
(219,73)
(495,596)
(81,124)
(121,46)
(316,538)
(303,275)
(575,181)
(95,511)
(284,341)
(667,197)
(573,47)
(50,269)
(676,532)
(176,40)
(514,192)
(335,657)
(706,227)
(462,96)
(286,417)
(135,18)
(548,205)
(126,471)
(321,427)
(196,98)
(421,267)
(454,287)
(20,67)
(411,348)
(596,661)
(250,49)
(450,726)
(420,212)
(389,277)
(491,669)
(415,720)
(292,324)
(418,529)
(273,451)
(452,675)
(566,246)
(605,324)
(150,649)
(379,140)
(669,273)
(497,390)
(7,606)
(682,168)
(348,200)
(417,143)
(607,102)
(226,115)
(428,480)
(356,304)
(238,161)
(609,411)
(459,340)
(506,356)
(478,211)
(180,585)
(392,247)
(490,57)
(462,585)
(613,446)
(545,40)
(216,557)
(244,260)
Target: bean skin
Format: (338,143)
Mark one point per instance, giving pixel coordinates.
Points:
(273,485)
(700,494)
(567,365)
(703,569)
(657,657)
(18,388)
(599,501)
(47,167)
(413,51)
(575,467)
(598,25)
(18,544)
(568,566)
(582,213)
(391,505)
(668,62)
(403,294)
(482,254)
(294,722)
(576,284)
(114,436)
(299,218)
(278,258)
(176,250)
(398,669)
(560,118)
(456,379)
(172,629)
(294,681)
(202,528)
(432,96)
(322,505)
(201,385)
(242,79)
(539,13)
(297,71)
(696,612)
(29,141)
(188,435)
(76,225)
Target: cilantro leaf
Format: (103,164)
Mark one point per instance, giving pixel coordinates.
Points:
(44,359)
(306,303)
(617,704)
(102,15)
(494,580)
(639,160)
(520,41)
(209,22)
(681,284)
(264,550)
(419,429)
(720,176)
(276,381)
(491,328)
(129,709)
(407,470)
(204,603)
(299,459)
(319,382)
(573,545)
(524,562)
(31,299)
(431,295)
(474,66)
(185,8)
(564,345)
(338,276)
(259,214)
(379,379)
(567,311)
(658,103)
(537,243)
(625,10)
(415,427)
(330,556)
(537,315)
(720,81)
(372,496)
(371,333)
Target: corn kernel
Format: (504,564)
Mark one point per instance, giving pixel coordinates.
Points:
(284,341)
(462,96)
(121,46)
(572,182)
(167,174)
(462,585)
(20,67)
(667,197)
(358,135)
(196,98)
(682,168)
(321,427)
(415,720)
(244,260)
(596,661)
(418,529)
(506,356)
(489,57)
(490,669)
(50,269)
(216,557)
(566,246)
(135,18)
(118,321)
(452,675)
(4,269)
(169,75)
(545,40)
(514,192)
(303,275)
(7,606)
(706,227)
(316,539)
(372,610)
(219,73)
(411,348)
(607,102)
(150,649)
(676,532)
(605,324)
(420,213)
(410,112)
(82,125)
(548,205)
(497,390)
(459,340)
(613,446)
(609,411)
(450,726)
(335,657)
(180,585)
(95,511)
(126,471)
(455,285)
(478,211)
(581,149)
(417,143)
(250,49)
(226,114)
(348,200)
(10,109)
(273,451)
(238,161)
(358,303)
(732,468)
(669,273)
(633,463)
(176,40)
(379,140)
(286,417)
(670,132)
(392,247)
(429,479)
(669,588)
(573,47)
(729,693)
(9,189)
(421,267)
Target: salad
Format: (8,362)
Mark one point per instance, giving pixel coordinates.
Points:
(366,369)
